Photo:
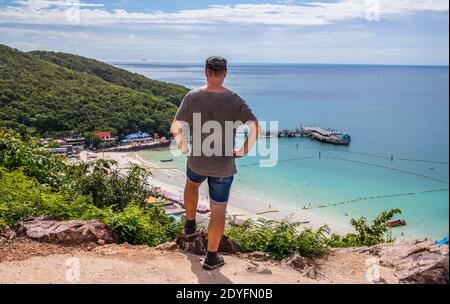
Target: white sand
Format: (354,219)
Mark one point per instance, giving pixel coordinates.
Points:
(172,180)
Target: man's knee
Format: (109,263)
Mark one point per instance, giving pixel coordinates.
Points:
(191,185)
(218,209)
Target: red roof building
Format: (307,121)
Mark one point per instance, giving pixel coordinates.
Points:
(103,135)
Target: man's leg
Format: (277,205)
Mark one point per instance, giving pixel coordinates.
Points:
(216,226)
(191,199)
(193,182)
(219,192)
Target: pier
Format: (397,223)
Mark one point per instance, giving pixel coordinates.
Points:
(329,136)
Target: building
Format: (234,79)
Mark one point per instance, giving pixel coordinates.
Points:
(107,140)
(138,137)
(66,150)
(77,143)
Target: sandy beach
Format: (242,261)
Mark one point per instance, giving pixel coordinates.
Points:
(172,180)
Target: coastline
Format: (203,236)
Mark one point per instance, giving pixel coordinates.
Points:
(172,180)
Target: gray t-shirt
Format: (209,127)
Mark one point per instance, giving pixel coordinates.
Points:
(224,109)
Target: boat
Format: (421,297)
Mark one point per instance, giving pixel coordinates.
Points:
(396,223)
(442,241)
(166,160)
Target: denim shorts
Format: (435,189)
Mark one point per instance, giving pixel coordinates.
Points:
(219,187)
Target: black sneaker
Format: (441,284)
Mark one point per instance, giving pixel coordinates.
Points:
(210,264)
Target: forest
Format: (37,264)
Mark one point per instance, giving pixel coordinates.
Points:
(55,94)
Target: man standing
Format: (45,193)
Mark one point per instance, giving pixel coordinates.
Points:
(217,110)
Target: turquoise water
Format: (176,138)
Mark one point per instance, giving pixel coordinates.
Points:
(388,110)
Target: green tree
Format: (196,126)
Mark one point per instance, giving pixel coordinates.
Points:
(62,94)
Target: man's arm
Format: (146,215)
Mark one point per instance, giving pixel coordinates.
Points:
(250,141)
(178,135)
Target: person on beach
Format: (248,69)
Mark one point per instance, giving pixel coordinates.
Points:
(212,154)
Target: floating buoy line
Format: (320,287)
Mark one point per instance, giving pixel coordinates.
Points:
(280,161)
(424,161)
(369,154)
(309,207)
(389,168)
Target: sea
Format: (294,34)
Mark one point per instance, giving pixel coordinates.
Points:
(398,119)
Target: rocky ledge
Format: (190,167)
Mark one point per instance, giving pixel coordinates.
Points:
(419,261)
(49,230)
(410,262)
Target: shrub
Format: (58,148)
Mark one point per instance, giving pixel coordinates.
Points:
(34,183)
(279,239)
(2,225)
(110,189)
(367,235)
(22,196)
(16,153)
(283,238)
(148,226)
(99,179)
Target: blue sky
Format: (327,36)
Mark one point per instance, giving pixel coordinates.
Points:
(307,31)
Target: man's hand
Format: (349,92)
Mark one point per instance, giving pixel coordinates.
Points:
(186,152)
(177,132)
(238,153)
(250,141)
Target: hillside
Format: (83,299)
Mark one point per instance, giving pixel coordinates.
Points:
(170,92)
(45,98)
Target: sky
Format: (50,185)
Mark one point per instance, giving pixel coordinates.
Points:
(243,31)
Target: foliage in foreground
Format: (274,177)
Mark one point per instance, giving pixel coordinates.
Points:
(281,239)
(367,235)
(34,183)
(99,179)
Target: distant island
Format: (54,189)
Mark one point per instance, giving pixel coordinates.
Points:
(58,94)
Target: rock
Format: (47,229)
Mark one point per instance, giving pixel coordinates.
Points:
(256,255)
(258,269)
(362,250)
(294,261)
(49,230)
(198,244)
(171,246)
(421,262)
(101,242)
(305,266)
(6,235)
(265,271)
(311,272)
(251,268)
(413,261)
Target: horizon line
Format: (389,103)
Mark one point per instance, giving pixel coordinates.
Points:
(123,61)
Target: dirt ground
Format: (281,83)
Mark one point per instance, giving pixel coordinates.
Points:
(25,261)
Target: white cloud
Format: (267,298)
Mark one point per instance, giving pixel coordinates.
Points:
(283,13)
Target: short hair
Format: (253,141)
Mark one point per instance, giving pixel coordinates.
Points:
(216,65)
